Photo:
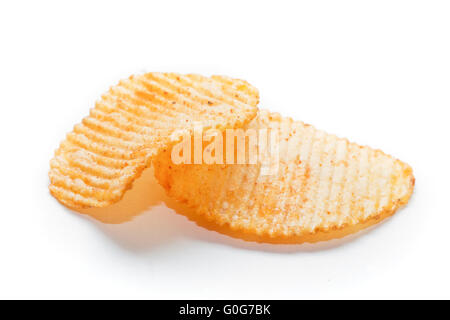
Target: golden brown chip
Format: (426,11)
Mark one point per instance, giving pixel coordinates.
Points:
(325,187)
(133,122)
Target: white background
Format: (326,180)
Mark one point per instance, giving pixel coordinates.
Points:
(376,72)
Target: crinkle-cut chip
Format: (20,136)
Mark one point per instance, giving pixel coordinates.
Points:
(134,121)
(325,187)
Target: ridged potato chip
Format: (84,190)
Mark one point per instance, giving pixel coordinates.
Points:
(133,122)
(325,187)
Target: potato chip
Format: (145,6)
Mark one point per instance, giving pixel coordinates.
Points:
(133,122)
(325,187)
